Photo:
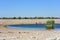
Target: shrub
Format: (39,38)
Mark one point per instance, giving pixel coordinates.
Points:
(50,24)
(14,18)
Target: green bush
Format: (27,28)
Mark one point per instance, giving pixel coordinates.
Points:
(50,24)
(14,18)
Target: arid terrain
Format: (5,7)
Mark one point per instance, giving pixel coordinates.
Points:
(26,21)
(19,34)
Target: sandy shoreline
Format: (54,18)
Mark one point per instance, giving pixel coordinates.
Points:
(26,21)
(14,34)
(18,34)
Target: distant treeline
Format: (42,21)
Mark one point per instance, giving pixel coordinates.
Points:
(29,18)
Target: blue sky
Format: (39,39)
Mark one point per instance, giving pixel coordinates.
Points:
(29,8)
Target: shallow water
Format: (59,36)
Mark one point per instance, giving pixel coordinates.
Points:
(32,26)
(57,26)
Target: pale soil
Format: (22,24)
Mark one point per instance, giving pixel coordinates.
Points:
(19,34)
(15,34)
(26,21)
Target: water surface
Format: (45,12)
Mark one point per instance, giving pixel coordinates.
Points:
(33,26)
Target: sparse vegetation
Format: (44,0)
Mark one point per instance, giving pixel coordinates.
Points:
(50,24)
(14,18)
(29,18)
